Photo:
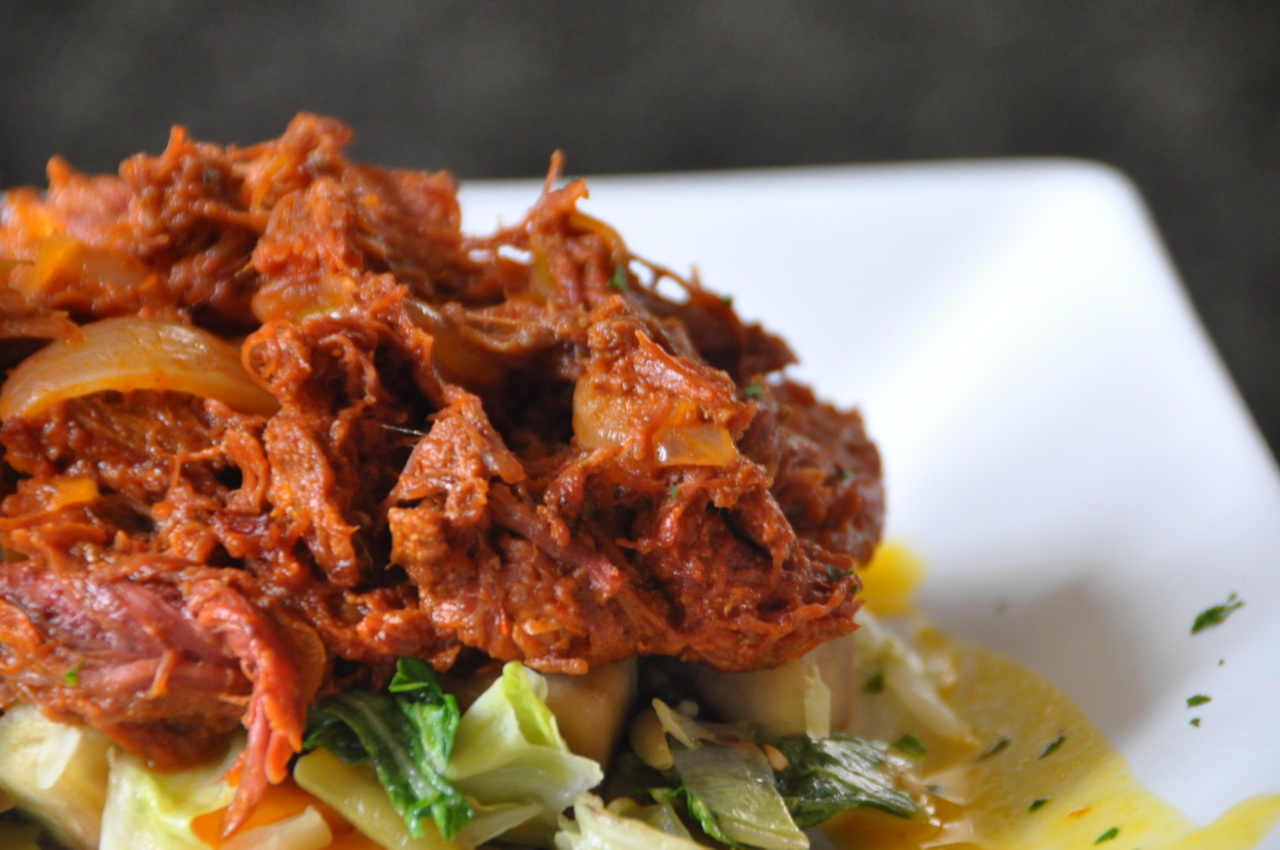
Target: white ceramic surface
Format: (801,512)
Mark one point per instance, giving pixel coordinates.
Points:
(1061,442)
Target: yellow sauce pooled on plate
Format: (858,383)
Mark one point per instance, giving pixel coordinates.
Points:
(1040,777)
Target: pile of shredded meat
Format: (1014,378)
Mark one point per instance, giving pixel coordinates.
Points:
(272,421)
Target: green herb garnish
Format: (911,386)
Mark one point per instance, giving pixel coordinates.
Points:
(911,745)
(1217,614)
(1053,746)
(755,389)
(1195,721)
(619,280)
(1037,804)
(1108,835)
(834,574)
(1198,699)
(72,676)
(993,749)
(875,684)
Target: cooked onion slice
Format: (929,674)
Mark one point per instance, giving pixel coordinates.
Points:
(131,353)
(603,416)
(703,444)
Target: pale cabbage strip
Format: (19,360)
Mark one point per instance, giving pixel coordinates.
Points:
(54,772)
(622,827)
(146,810)
(508,759)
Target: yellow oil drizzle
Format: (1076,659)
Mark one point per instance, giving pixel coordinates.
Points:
(987,798)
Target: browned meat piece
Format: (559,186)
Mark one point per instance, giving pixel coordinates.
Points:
(506,447)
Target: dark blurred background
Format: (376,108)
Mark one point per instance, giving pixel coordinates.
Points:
(1183,96)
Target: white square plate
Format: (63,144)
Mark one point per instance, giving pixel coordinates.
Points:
(1061,442)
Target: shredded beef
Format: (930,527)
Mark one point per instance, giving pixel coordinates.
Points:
(505,447)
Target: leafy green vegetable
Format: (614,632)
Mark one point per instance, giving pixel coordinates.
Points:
(1198,699)
(755,389)
(730,790)
(408,735)
(355,792)
(825,776)
(1108,835)
(1037,803)
(1195,721)
(1217,614)
(619,279)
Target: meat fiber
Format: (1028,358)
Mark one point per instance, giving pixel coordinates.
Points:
(501,447)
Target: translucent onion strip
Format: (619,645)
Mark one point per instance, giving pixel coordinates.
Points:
(131,353)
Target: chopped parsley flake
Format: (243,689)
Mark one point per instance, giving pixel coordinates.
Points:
(755,389)
(1217,614)
(1108,835)
(1198,699)
(1053,745)
(72,676)
(875,684)
(993,749)
(1195,721)
(911,745)
(837,575)
(1037,804)
(619,279)
(672,492)
(726,300)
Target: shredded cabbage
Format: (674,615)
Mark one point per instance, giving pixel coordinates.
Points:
(509,752)
(907,680)
(507,758)
(730,790)
(55,772)
(356,794)
(622,825)
(407,734)
(153,811)
(305,831)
